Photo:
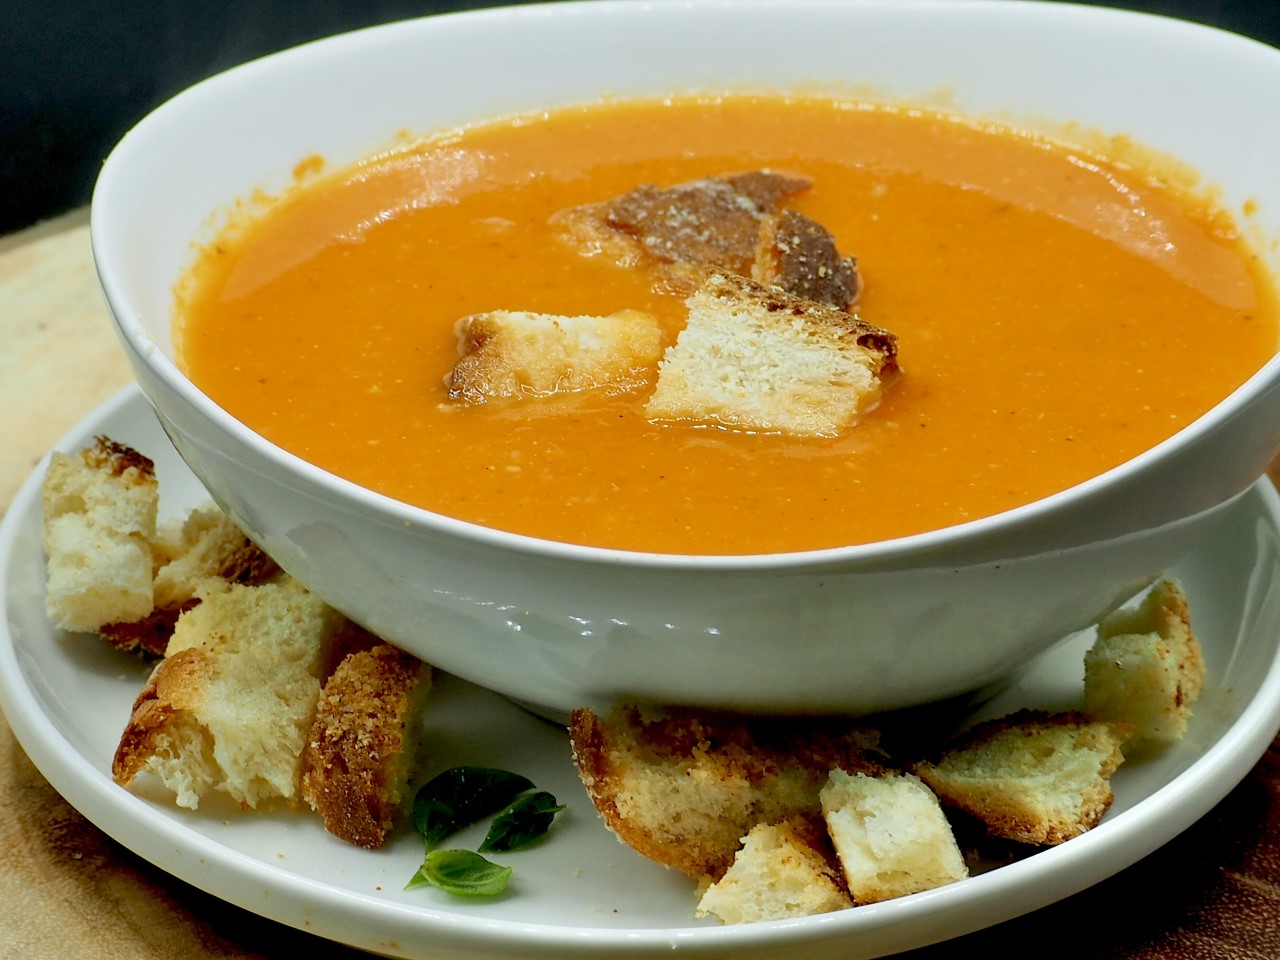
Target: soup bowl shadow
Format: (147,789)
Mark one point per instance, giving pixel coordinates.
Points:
(856,629)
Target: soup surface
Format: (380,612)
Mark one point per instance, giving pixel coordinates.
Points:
(1056,315)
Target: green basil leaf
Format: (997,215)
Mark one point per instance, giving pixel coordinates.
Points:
(462,873)
(461,796)
(526,819)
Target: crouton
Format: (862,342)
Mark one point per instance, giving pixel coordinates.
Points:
(363,742)
(207,544)
(890,835)
(509,354)
(230,706)
(780,872)
(1146,668)
(1033,777)
(730,223)
(684,787)
(715,222)
(99,517)
(754,358)
(800,256)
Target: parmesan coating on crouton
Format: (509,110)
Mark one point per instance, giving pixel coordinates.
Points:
(363,742)
(713,222)
(801,258)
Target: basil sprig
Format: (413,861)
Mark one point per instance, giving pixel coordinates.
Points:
(461,796)
(523,821)
(462,873)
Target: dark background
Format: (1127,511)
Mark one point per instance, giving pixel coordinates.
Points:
(76,74)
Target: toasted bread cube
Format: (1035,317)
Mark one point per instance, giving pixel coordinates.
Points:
(1146,666)
(778,874)
(363,743)
(684,228)
(509,354)
(1032,776)
(230,706)
(801,257)
(99,518)
(755,358)
(890,834)
(206,545)
(683,788)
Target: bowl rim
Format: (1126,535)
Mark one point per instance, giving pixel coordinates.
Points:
(889,552)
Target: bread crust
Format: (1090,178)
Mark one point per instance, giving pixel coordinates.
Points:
(506,354)
(1035,777)
(363,740)
(800,256)
(99,520)
(164,703)
(782,871)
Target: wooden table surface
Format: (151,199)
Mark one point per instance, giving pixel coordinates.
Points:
(68,891)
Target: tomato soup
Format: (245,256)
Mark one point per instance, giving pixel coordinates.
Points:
(1056,315)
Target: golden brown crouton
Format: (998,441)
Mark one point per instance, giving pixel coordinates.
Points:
(99,519)
(1146,667)
(510,354)
(363,742)
(716,222)
(890,834)
(230,706)
(683,787)
(207,544)
(1032,776)
(782,871)
(801,258)
(754,358)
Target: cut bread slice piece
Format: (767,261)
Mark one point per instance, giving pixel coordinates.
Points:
(782,871)
(713,222)
(683,787)
(1033,777)
(230,706)
(890,834)
(206,545)
(363,742)
(1146,667)
(511,354)
(99,519)
(732,223)
(757,359)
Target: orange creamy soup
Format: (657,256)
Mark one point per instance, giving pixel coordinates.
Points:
(1056,315)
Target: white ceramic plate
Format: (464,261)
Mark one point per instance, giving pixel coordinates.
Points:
(581,893)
